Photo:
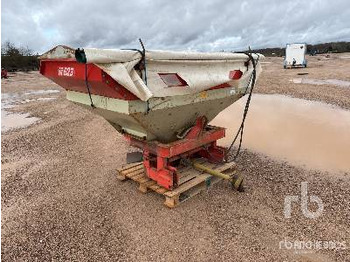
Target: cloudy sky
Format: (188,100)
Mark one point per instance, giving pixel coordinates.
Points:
(199,25)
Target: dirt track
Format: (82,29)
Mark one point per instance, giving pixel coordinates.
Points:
(61,200)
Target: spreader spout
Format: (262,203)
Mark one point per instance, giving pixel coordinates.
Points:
(80,56)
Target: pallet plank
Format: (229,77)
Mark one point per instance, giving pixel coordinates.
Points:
(133,169)
(135,174)
(138,177)
(187,178)
(192,181)
(128,166)
(144,179)
(161,190)
(154,187)
(182,188)
(150,183)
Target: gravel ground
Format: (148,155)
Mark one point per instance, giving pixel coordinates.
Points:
(61,200)
(275,80)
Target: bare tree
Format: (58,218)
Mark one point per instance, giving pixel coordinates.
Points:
(9,49)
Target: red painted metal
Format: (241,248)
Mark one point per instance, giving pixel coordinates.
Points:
(3,73)
(235,74)
(195,131)
(70,74)
(224,85)
(161,160)
(172,79)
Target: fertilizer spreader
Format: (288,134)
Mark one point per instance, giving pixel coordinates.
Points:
(161,101)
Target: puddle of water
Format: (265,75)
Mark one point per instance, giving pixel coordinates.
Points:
(46,98)
(38,99)
(306,133)
(27,101)
(335,82)
(11,120)
(42,92)
(7,100)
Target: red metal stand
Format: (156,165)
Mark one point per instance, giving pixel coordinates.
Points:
(160,160)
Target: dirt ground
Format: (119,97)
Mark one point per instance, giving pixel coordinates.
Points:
(62,201)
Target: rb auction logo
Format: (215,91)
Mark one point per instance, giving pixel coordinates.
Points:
(303,203)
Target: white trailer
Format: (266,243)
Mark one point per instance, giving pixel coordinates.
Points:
(295,56)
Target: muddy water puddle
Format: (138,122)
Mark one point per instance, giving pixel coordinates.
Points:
(42,92)
(14,120)
(11,120)
(305,133)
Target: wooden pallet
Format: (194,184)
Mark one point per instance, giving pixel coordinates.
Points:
(191,181)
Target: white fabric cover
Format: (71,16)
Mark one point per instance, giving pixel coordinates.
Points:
(200,70)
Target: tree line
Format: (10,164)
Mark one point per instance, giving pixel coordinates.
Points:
(20,58)
(333,47)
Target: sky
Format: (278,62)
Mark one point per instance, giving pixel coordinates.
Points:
(173,25)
